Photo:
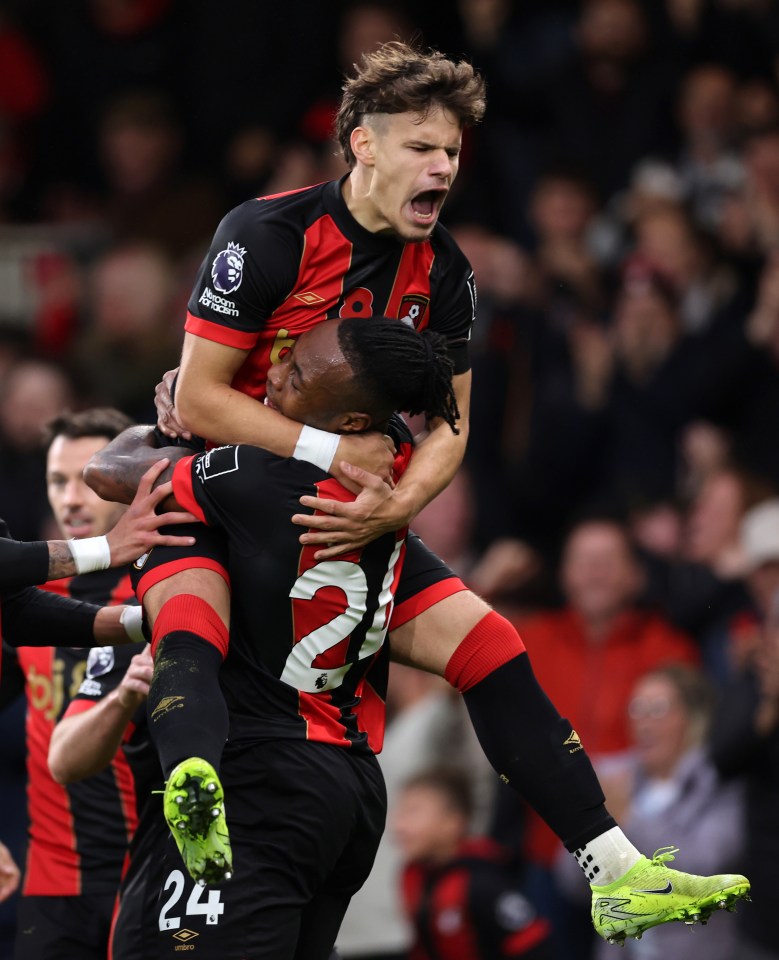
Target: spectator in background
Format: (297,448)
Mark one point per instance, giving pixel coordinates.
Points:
(708,164)
(130,332)
(668,240)
(31,393)
(562,209)
(702,588)
(760,547)
(745,744)
(761,193)
(608,108)
(668,782)
(93,54)
(757,105)
(457,891)
(149,196)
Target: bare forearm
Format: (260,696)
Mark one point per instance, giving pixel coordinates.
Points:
(115,471)
(85,744)
(435,462)
(108,628)
(225,415)
(61,561)
(437,458)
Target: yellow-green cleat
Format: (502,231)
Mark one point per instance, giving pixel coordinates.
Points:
(193,803)
(651,893)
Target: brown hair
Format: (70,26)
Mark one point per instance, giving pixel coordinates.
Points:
(95,422)
(397,78)
(451,783)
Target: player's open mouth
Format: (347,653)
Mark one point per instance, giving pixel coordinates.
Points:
(269,403)
(425,205)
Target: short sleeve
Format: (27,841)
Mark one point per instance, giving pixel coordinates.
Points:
(249,270)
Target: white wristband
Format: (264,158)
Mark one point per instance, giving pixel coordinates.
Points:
(90,554)
(317,447)
(132,621)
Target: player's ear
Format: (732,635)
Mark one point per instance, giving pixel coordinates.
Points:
(355,423)
(362,141)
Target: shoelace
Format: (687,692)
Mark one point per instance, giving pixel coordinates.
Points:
(664,855)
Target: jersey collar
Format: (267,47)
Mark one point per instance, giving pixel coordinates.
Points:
(335,205)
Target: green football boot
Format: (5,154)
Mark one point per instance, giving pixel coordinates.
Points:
(651,893)
(193,803)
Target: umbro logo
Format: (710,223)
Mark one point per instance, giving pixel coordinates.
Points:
(309,298)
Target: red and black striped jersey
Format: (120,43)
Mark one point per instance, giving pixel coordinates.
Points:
(278,265)
(469,908)
(78,833)
(307,658)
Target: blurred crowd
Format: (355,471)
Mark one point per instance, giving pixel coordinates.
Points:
(620,497)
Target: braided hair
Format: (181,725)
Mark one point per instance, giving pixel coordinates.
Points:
(398,368)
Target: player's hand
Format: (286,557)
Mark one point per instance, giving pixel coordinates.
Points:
(9,873)
(342,527)
(138,529)
(134,688)
(372,452)
(167,419)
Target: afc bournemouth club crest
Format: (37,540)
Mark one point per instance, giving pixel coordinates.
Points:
(227,268)
(413,308)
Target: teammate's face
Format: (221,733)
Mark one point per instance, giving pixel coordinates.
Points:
(405,168)
(77,509)
(312,382)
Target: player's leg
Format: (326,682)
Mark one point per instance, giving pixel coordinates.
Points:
(186,598)
(323,915)
(295,807)
(455,634)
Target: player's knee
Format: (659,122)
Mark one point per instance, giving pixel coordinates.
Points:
(188,613)
(485,648)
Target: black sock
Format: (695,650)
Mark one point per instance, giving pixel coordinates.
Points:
(186,708)
(535,751)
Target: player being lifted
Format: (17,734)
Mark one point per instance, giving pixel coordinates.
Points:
(371,244)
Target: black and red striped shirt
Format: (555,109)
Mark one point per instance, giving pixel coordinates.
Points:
(470,909)
(279,265)
(307,658)
(78,833)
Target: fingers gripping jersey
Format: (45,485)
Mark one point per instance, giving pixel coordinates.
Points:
(306,657)
(281,264)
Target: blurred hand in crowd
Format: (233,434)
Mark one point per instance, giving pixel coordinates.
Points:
(9,873)
(505,566)
(763,324)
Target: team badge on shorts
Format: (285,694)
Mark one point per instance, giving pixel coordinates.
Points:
(227,268)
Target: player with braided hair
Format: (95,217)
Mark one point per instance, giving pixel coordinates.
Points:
(400,370)
(292,716)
